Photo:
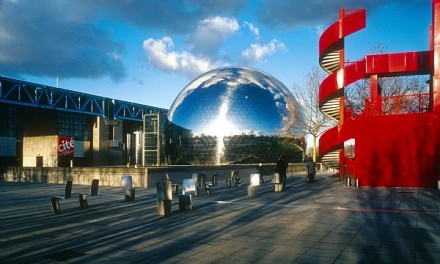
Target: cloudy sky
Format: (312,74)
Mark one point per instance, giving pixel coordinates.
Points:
(148,51)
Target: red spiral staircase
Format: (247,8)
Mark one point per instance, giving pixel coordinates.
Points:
(382,157)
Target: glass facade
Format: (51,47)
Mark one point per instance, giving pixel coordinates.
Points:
(151,139)
(73,125)
(7,121)
(232,115)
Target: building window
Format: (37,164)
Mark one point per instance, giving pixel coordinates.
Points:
(111,132)
(7,121)
(73,125)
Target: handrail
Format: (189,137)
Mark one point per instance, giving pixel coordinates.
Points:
(392,64)
(351,22)
(398,104)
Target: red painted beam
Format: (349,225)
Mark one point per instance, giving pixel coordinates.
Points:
(384,65)
(351,23)
(435,89)
(399,64)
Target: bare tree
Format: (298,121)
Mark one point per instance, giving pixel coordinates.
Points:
(313,122)
(404,93)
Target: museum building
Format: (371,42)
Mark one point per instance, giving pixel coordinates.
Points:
(46,126)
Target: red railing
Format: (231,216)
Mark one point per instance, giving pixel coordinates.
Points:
(400,104)
(353,21)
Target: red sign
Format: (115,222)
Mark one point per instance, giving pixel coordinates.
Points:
(65,146)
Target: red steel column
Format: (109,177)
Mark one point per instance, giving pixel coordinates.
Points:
(436,60)
(375,95)
(342,99)
(341,64)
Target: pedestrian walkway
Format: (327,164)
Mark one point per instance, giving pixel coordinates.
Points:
(324,222)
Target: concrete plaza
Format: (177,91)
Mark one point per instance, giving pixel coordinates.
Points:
(324,222)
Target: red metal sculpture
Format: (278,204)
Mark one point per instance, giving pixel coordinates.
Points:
(394,149)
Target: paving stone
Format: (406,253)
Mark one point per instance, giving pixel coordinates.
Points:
(356,257)
(310,259)
(324,223)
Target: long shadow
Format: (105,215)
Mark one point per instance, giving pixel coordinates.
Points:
(403,218)
(397,225)
(133,233)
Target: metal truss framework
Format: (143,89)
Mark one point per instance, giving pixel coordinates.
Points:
(41,96)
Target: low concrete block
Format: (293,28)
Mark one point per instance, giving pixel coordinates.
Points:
(228,183)
(208,188)
(252,190)
(94,187)
(129,195)
(175,188)
(347,181)
(278,187)
(185,203)
(55,201)
(83,200)
(164,207)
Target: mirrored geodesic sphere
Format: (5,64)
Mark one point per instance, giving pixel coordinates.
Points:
(230,114)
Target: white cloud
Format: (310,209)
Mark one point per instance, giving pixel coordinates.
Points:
(161,54)
(206,41)
(319,30)
(222,25)
(257,52)
(212,32)
(253,29)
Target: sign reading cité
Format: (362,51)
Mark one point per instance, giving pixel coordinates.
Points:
(65,146)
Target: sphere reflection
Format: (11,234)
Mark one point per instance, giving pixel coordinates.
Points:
(225,115)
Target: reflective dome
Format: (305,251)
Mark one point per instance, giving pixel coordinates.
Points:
(229,102)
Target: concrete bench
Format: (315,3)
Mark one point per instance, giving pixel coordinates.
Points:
(207,185)
(214,182)
(82,197)
(185,201)
(55,200)
(234,177)
(93,192)
(201,182)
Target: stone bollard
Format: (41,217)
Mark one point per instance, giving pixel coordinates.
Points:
(83,200)
(278,183)
(175,188)
(164,198)
(185,203)
(234,176)
(251,191)
(214,179)
(195,176)
(207,188)
(127,186)
(94,187)
(129,195)
(56,204)
(201,180)
(347,181)
(228,183)
(196,191)
(254,181)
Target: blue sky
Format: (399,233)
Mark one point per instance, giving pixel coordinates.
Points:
(148,51)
